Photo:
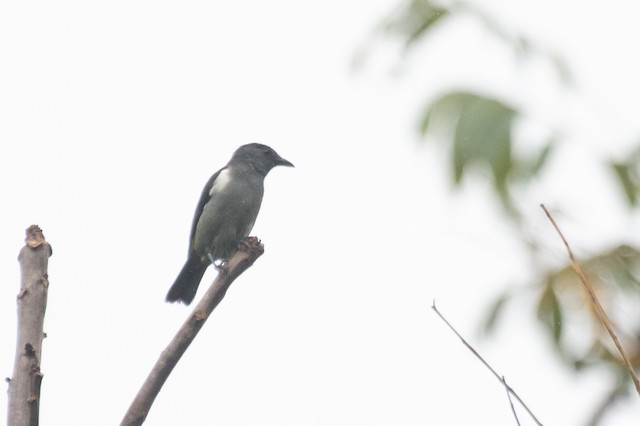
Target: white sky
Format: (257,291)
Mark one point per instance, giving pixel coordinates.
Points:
(114,114)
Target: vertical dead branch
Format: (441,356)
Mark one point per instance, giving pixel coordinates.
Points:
(250,250)
(24,387)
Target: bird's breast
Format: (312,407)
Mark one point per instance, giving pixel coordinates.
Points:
(229,214)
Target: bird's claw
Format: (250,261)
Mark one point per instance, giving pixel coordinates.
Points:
(243,244)
(221,266)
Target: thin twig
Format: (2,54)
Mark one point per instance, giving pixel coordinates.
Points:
(595,303)
(513,409)
(486,364)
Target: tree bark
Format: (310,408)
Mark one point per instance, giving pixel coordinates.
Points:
(250,250)
(24,387)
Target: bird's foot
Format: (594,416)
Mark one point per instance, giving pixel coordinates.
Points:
(221,266)
(251,245)
(245,243)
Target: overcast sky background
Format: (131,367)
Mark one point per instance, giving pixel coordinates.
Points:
(114,114)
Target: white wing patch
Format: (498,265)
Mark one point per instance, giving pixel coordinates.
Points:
(221,181)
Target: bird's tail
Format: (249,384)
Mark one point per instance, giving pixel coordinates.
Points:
(186,284)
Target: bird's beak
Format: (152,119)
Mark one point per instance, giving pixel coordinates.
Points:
(282,162)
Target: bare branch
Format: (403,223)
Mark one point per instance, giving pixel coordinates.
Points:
(249,251)
(513,409)
(24,387)
(486,364)
(595,303)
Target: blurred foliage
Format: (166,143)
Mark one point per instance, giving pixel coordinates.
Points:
(478,130)
(414,19)
(563,304)
(550,313)
(628,176)
(481,134)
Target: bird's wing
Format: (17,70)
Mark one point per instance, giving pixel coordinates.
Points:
(204,198)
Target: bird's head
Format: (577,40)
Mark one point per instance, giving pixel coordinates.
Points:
(261,157)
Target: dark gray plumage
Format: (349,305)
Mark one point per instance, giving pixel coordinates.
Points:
(225,214)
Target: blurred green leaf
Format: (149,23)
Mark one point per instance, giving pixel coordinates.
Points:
(562,68)
(521,45)
(495,311)
(627,174)
(526,168)
(481,133)
(415,18)
(618,266)
(444,110)
(542,158)
(550,313)
(579,364)
(592,356)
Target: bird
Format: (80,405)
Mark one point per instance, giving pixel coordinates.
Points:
(225,214)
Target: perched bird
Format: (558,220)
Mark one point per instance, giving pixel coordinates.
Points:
(225,214)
